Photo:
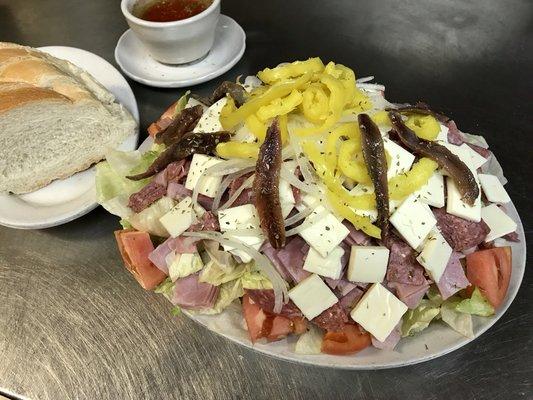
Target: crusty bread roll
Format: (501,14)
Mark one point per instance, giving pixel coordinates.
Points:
(55,119)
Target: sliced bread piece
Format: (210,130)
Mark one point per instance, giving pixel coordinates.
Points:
(55,119)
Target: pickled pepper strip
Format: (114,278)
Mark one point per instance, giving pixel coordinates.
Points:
(458,170)
(266,187)
(376,163)
(190,143)
(184,122)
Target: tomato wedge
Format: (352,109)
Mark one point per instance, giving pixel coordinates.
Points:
(281,327)
(135,246)
(350,340)
(164,120)
(256,319)
(490,270)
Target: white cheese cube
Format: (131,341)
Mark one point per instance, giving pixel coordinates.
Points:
(325,231)
(208,184)
(378,311)
(184,265)
(432,193)
(400,159)
(312,296)
(330,266)
(435,255)
(414,220)
(477,160)
(456,206)
(368,264)
(210,119)
(241,218)
(443,134)
(500,223)
(179,218)
(493,189)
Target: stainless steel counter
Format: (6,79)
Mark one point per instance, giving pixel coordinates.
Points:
(75,325)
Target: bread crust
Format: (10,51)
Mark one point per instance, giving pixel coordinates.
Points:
(28,75)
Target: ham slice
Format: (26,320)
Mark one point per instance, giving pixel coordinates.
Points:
(292,257)
(453,278)
(179,245)
(350,299)
(192,294)
(410,295)
(272,255)
(391,341)
(356,237)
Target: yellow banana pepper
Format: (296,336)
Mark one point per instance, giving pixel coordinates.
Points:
(349,130)
(333,182)
(403,185)
(283,128)
(315,103)
(336,104)
(280,106)
(381,118)
(346,76)
(256,102)
(351,162)
(237,150)
(425,126)
(343,210)
(255,126)
(297,68)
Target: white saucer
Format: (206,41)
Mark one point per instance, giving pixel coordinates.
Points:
(67,199)
(133,58)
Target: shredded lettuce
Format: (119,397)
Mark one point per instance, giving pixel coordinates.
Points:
(148,219)
(476,305)
(255,280)
(165,288)
(216,275)
(184,265)
(309,342)
(176,310)
(112,187)
(434,296)
(418,319)
(458,321)
(182,102)
(125,224)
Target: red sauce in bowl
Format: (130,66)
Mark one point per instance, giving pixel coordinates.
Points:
(173,10)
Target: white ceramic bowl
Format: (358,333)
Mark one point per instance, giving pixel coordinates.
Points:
(175,42)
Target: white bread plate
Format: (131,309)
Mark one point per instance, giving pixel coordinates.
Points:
(64,200)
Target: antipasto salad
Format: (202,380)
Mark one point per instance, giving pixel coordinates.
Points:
(302,196)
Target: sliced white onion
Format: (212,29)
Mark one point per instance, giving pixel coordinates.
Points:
(300,215)
(226,182)
(262,262)
(294,181)
(306,224)
(365,79)
(245,185)
(371,86)
(244,232)
(227,167)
